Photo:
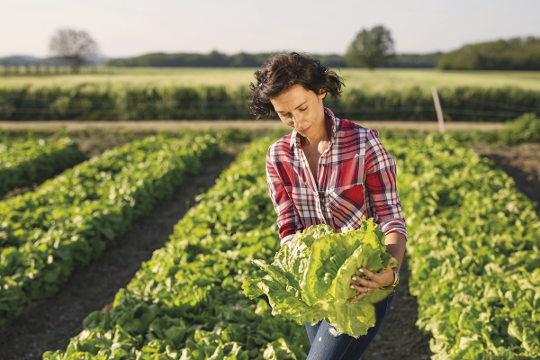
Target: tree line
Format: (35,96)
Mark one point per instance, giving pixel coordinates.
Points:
(217,59)
(512,54)
(370,48)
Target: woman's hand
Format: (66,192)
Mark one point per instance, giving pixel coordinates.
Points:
(375,281)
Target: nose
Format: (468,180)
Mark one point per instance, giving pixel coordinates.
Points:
(299,123)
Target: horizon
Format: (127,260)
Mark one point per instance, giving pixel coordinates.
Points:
(203,53)
(256,53)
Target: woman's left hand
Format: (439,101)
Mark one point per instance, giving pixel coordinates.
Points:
(375,281)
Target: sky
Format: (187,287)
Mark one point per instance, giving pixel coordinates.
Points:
(135,27)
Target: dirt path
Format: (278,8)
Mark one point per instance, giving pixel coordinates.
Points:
(217,124)
(48,324)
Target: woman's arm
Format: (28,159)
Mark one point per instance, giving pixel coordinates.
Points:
(380,179)
(395,246)
(380,170)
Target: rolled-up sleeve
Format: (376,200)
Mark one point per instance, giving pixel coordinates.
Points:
(287,216)
(380,179)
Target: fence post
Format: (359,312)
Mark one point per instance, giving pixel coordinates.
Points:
(438,109)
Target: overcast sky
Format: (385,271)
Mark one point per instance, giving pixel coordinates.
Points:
(134,27)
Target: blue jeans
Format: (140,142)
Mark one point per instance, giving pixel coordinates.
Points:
(343,347)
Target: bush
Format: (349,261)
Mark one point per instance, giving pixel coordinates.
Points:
(90,102)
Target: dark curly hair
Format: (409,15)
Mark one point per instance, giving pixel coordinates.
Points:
(282,71)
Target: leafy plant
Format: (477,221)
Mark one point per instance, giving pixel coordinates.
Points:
(24,162)
(525,128)
(310,276)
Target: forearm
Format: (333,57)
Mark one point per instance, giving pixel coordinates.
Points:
(395,245)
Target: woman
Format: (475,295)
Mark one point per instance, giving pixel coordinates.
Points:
(331,171)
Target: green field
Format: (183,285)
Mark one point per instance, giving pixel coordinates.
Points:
(473,252)
(378,80)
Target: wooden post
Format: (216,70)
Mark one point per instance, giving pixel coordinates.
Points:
(438,108)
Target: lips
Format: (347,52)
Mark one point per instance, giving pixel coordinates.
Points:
(303,131)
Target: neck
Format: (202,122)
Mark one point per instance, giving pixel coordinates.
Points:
(323,136)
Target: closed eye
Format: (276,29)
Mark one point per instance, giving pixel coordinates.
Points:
(288,115)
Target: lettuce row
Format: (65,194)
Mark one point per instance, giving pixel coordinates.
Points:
(473,252)
(22,163)
(186,302)
(69,220)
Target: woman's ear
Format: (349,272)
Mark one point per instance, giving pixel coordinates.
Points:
(322,92)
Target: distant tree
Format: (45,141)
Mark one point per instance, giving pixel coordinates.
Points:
(370,48)
(73,46)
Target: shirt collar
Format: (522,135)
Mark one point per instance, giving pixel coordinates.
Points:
(295,136)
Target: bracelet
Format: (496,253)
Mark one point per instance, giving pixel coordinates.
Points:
(396,281)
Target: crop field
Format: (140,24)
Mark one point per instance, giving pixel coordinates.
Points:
(114,94)
(74,215)
(379,80)
(472,259)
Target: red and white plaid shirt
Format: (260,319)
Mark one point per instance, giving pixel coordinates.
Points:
(356,179)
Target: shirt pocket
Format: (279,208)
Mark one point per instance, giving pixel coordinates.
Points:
(347,205)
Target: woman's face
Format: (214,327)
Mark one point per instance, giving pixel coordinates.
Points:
(302,110)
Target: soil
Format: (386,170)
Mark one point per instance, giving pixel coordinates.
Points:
(48,324)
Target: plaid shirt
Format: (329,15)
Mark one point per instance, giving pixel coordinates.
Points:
(356,179)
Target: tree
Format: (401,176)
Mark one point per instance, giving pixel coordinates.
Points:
(73,46)
(370,47)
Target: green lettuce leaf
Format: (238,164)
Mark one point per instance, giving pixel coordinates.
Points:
(309,278)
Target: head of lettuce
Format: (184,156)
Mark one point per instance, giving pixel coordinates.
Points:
(309,279)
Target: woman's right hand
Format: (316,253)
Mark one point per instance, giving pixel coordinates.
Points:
(374,281)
